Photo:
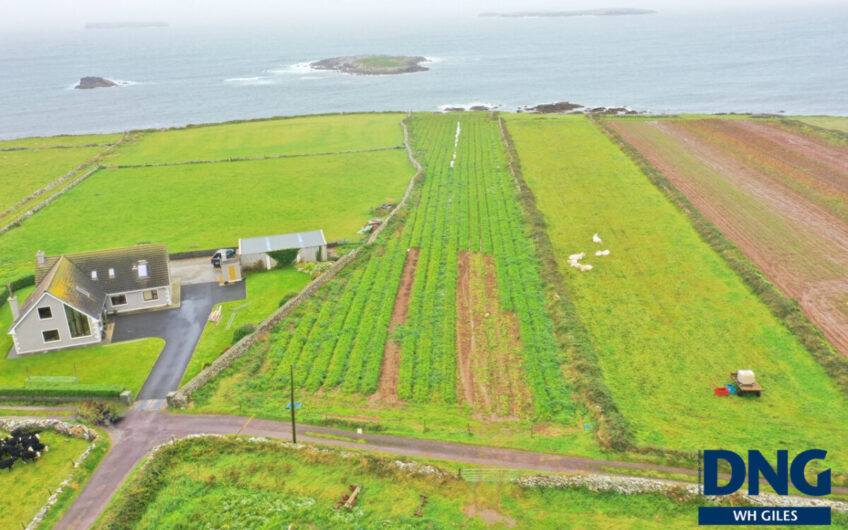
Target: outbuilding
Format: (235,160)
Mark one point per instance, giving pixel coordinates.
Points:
(258,251)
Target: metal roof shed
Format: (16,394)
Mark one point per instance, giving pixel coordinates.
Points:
(312,246)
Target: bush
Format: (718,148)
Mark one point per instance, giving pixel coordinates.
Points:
(284,258)
(243,332)
(101,412)
(286,297)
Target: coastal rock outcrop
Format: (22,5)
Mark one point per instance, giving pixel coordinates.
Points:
(95,82)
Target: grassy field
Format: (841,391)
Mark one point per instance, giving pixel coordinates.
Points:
(472,263)
(209,205)
(667,316)
(264,292)
(227,482)
(835,123)
(26,486)
(307,134)
(23,172)
(37,142)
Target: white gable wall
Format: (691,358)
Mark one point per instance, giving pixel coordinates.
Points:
(27,334)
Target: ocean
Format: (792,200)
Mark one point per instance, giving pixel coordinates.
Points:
(787,60)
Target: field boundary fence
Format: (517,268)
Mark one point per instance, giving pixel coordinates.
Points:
(488,475)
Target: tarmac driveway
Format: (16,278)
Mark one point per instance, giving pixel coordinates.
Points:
(181,329)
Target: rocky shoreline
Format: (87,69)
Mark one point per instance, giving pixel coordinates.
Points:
(372,64)
(560,107)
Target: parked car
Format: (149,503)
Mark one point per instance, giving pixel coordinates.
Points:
(216,257)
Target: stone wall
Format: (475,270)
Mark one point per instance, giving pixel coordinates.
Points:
(74,430)
(181,398)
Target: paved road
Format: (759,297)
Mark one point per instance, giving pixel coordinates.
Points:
(181,329)
(140,431)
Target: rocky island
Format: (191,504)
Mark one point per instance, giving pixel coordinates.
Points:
(95,82)
(372,64)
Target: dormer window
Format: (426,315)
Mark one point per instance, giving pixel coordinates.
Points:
(93,275)
(111,273)
(142,269)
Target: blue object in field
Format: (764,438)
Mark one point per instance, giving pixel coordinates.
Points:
(587,426)
(297,405)
(732,388)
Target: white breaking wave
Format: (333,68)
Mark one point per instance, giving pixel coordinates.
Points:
(250,81)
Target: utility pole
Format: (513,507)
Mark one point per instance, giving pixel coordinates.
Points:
(294,429)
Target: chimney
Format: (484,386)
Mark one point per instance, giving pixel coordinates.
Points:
(40,257)
(16,310)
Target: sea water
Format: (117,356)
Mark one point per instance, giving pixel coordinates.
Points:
(786,60)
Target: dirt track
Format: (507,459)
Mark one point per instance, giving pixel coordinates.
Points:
(387,387)
(767,189)
(488,343)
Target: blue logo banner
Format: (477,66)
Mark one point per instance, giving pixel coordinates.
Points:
(721,515)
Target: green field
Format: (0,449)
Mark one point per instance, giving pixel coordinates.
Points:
(307,134)
(264,292)
(24,172)
(25,488)
(209,205)
(667,316)
(341,340)
(225,483)
(835,123)
(64,140)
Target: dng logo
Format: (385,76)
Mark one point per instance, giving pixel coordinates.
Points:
(778,477)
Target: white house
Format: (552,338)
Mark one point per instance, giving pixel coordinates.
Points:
(75,292)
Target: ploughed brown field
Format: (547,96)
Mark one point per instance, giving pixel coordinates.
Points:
(777,192)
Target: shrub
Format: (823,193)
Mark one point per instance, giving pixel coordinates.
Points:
(286,297)
(101,412)
(242,332)
(63,390)
(284,258)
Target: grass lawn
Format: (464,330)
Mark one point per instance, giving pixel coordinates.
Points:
(23,172)
(264,292)
(65,140)
(123,363)
(667,316)
(25,487)
(210,205)
(227,482)
(307,134)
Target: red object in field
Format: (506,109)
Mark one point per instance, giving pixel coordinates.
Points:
(722,391)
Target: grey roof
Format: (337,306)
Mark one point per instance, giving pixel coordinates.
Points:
(259,245)
(68,283)
(124,262)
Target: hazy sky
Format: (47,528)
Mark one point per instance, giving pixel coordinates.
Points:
(52,14)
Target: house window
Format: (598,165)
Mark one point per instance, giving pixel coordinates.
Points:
(149,296)
(77,322)
(44,313)
(142,269)
(93,275)
(51,335)
(111,273)
(121,299)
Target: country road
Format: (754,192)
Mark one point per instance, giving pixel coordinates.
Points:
(141,431)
